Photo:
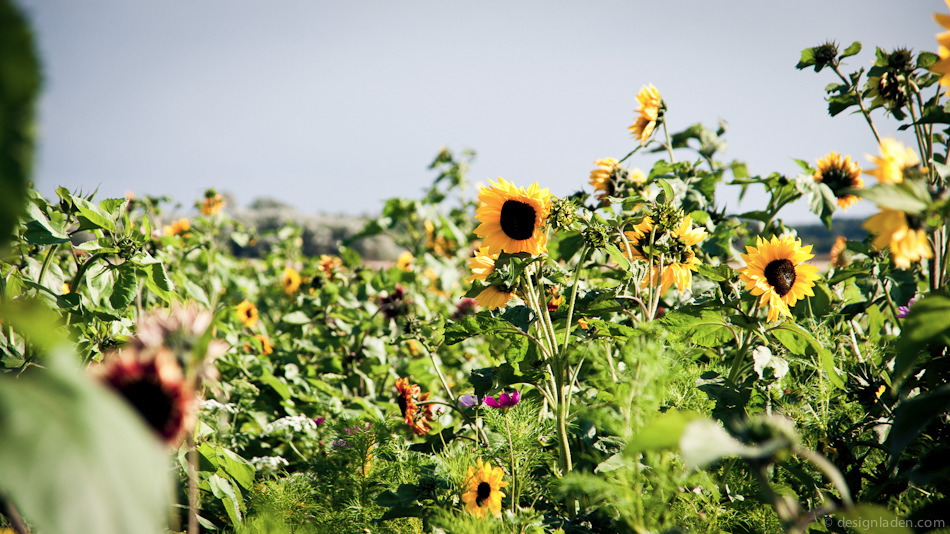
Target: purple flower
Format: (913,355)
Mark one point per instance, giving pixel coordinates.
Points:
(319,420)
(467,401)
(504,400)
(902,311)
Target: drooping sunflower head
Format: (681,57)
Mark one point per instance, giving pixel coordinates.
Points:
(483,489)
(482,266)
(839,173)
(775,273)
(649,113)
(513,218)
(903,234)
(604,178)
(247,313)
(895,159)
(290,281)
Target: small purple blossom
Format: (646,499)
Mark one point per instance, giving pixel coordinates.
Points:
(357,429)
(902,311)
(467,401)
(504,400)
(319,420)
(340,444)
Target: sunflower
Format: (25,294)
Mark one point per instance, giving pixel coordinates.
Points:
(152,382)
(512,217)
(651,107)
(839,252)
(483,489)
(895,157)
(404,261)
(604,178)
(482,265)
(266,347)
(178,227)
(247,313)
(290,281)
(943,50)
(775,273)
(416,417)
(840,174)
(329,265)
(903,234)
(212,203)
(679,259)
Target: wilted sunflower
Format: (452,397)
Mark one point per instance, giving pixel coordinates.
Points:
(247,313)
(895,158)
(902,233)
(775,273)
(153,383)
(290,281)
(512,218)
(483,489)
(679,259)
(650,112)
(943,49)
(839,174)
(482,265)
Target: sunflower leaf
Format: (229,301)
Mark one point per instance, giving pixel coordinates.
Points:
(927,322)
(907,196)
(852,50)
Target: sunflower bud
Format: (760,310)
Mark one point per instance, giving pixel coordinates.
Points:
(597,235)
(901,60)
(563,214)
(826,55)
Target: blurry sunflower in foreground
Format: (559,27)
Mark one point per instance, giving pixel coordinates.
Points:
(894,159)
(902,233)
(943,49)
(483,489)
(650,112)
(676,254)
(290,281)
(840,173)
(482,265)
(775,273)
(512,218)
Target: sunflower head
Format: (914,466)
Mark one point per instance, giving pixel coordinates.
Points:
(649,113)
(247,313)
(839,173)
(513,218)
(902,233)
(179,227)
(404,262)
(212,203)
(775,273)
(483,489)
(290,281)
(416,416)
(826,55)
(483,266)
(668,246)
(604,178)
(895,159)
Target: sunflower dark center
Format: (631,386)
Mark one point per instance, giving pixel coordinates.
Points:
(151,401)
(517,219)
(781,275)
(837,179)
(482,493)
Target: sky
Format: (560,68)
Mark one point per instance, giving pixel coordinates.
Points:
(334,107)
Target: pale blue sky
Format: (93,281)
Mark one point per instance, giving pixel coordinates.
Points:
(336,106)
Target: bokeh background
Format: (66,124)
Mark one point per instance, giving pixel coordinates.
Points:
(332,107)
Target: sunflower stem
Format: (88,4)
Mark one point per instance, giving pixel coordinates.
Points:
(864,110)
(436,363)
(570,307)
(515,487)
(669,144)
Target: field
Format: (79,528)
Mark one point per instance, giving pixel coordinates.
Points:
(629,358)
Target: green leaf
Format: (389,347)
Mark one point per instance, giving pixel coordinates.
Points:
(807,59)
(474,325)
(907,196)
(705,327)
(852,50)
(716,273)
(703,442)
(75,458)
(927,322)
(296,318)
(229,495)
(126,285)
(667,189)
(95,214)
(158,282)
(663,433)
(618,257)
(912,415)
(40,230)
(792,336)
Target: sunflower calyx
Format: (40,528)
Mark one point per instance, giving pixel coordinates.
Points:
(563,214)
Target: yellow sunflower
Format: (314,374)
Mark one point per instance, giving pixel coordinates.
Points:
(512,218)
(482,265)
(178,227)
(651,105)
(290,281)
(839,174)
(901,233)
(679,260)
(266,347)
(604,178)
(404,262)
(775,273)
(943,50)
(212,203)
(247,313)
(483,489)
(895,157)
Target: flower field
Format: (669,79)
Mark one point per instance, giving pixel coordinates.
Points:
(629,358)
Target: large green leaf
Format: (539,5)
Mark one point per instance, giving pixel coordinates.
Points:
(75,458)
(705,327)
(927,322)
